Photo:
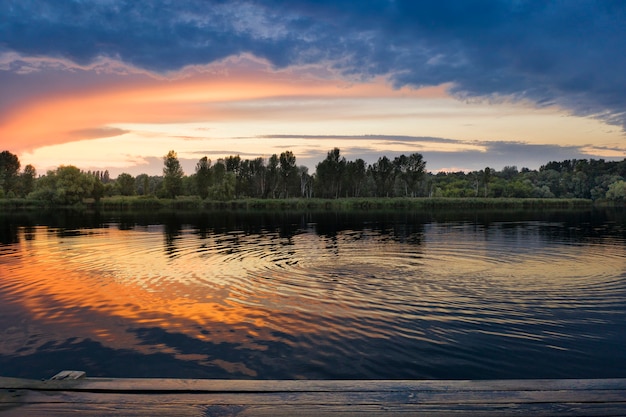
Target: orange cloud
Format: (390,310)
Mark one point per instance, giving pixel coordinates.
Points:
(192,95)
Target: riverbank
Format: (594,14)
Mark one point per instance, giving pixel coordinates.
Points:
(304,204)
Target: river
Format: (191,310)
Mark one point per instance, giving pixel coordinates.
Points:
(365,295)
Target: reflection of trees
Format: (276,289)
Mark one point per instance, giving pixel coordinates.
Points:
(8,232)
(172,231)
(406,227)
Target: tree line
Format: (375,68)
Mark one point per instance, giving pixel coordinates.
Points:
(335,177)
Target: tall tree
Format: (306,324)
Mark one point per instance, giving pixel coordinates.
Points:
(306,182)
(273,176)
(98,189)
(288,171)
(142,184)
(410,170)
(258,170)
(383,173)
(203,176)
(233,164)
(356,174)
(27,180)
(9,171)
(486,179)
(172,175)
(329,174)
(219,171)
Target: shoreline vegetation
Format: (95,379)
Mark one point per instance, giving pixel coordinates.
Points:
(277,183)
(193,203)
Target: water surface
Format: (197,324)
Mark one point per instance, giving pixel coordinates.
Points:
(316,295)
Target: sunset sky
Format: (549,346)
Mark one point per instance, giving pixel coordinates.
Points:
(113,84)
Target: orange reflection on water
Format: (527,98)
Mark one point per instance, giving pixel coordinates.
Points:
(102,302)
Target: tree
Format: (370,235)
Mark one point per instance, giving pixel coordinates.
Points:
(66,185)
(172,175)
(486,179)
(509,172)
(233,164)
(273,176)
(27,180)
(329,174)
(410,170)
(9,171)
(142,184)
(258,171)
(225,189)
(98,189)
(219,171)
(306,182)
(203,177)
(125,184)
(288,171)
(617,191)
(383,173)
(356,174)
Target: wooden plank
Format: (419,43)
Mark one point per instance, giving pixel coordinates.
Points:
(186,397)
(151,405)
(335,397)
(217,385)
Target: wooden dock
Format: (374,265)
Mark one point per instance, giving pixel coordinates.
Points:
(71,393)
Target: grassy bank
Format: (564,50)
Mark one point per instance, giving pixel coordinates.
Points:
(194,203)
(121,203)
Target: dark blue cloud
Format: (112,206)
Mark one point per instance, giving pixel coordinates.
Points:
(564,52)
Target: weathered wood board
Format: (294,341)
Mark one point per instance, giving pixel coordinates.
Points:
(65,395)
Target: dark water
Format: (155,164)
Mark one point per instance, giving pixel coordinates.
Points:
(317,295)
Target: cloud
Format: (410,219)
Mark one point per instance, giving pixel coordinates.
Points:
(394,138)
(568,53)
(467,155)
(97,132)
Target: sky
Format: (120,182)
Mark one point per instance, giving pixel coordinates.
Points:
(116,84)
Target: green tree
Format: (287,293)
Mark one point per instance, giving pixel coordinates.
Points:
(203,177)
(142,184)
(232,164)
(329,174)
(383,173)
(219,171)
(617,191)
(98,189)
(9,171)
(410,170)
(288,172)
(27,180)
(486,179)
(273,176)
(225,189)
(125,183)
(66,185)
(258,171)
(172,175)
(356,175)
(245,183)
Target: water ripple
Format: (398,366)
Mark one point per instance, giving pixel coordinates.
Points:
(452,292)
